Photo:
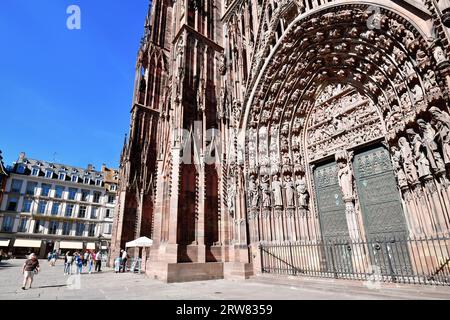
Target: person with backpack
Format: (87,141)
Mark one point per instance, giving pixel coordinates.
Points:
(30,267)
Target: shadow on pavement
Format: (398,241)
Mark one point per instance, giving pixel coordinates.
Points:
(54,286)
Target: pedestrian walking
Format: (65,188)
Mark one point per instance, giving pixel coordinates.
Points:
(49,257)
(117,264)
(98,262)
(124,260)
(78,263)
(30,267)
(90,262)
(68,263)
(85,258)
(53,259)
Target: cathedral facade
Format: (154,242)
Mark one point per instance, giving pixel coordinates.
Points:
(271,122)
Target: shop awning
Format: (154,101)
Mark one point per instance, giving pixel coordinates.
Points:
(4,242)
(90,246)
(139,243)
(25,243)
(71,245)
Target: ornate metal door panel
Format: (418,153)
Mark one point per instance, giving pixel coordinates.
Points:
(382,211)
(332,218)
(330,205)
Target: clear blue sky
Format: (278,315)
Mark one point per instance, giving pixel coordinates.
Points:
(65,91)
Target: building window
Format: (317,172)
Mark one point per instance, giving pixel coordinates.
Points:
(84,195)
(82,212)
(39,226)
(111,199)
(79,229)
(21,169)
(12,204)
(27,205)
(16,186)
(22,225)
(113,187)
(69,210)
(35,172)
(62,176)
(59,192)
(55,208)
(108,213)
(94,213)
(67,227)
(97,196)
(108,228)
(49,174)
(8,222)
(45,192)
(42,206)
(72,193)
(31,188)
(74,178)
(98,182)
(53,227)
(91,230)
(87,181)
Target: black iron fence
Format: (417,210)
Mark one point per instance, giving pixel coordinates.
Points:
(408,260)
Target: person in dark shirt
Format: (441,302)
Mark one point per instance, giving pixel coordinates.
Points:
(29,268)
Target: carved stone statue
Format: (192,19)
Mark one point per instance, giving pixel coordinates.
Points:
(408,161)
(423,165)
(266,193)
(302,192)
(433,155)
(231,197)
(277,193)
(253,192)
(439,56)
(290,191)
(396,159)
(345,177)
(441,120)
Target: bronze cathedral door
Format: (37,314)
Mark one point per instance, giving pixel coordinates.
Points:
(382,212)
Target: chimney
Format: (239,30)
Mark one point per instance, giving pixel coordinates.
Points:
(90,167)
(103,167)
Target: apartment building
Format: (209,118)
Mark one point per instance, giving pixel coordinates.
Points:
(48,206)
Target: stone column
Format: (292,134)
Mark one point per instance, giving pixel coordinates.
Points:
(172,246)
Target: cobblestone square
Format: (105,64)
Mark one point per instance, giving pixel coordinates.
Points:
(51,284)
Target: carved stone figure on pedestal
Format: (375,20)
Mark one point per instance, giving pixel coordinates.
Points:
(345,179)
(231,197)
(408,161)
(433,155)
(302,192)
(277,193)
(253,191)
(345,176)
(423,165)
(397,159)
(266,193)
(290,191)
(441,121)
